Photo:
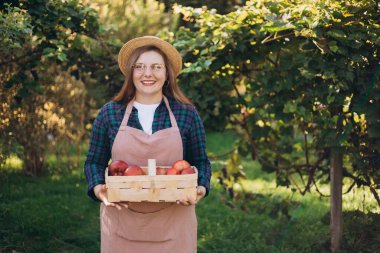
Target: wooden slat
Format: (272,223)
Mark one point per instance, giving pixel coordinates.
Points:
(168,188)
(158,184)
(113,195)
(154,195)
(148,178)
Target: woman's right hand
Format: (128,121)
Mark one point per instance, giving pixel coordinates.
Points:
(100,192)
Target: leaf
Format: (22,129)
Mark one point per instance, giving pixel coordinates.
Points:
(274,27)
(315,24)
(208,63)
(48,51)
(204,51)
(333,46)
(290,107)
(339,34)
(330,99)
(62,56)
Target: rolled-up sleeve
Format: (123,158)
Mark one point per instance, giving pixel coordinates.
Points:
(98,155)
(196,152)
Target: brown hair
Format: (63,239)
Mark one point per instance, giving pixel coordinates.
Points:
(171,89)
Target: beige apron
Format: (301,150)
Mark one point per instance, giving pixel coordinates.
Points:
(148,227)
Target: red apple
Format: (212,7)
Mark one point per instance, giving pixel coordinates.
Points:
(160,171)
(133,170)
(187,171)
(172,171)
(180,165)
(117,167)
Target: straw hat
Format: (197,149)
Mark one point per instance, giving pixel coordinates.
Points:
(170,51)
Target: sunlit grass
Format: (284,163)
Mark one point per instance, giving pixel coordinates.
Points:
(260,182)
(12,163)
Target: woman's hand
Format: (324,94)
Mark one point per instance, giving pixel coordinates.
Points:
(201,192)
(100,192)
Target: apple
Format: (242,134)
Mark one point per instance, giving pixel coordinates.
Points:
(187,171)
(172,171)
(160,171)
(116,167)
(133,170)
(180,165)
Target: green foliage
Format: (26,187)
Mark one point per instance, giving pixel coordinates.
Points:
(49,39)
(222,6)
(295,79)
(123,20)
(15,27)
(42,47)
(361,232)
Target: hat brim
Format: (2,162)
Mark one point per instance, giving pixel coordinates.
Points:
(170,51)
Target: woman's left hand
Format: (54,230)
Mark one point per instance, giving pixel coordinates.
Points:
(201,192)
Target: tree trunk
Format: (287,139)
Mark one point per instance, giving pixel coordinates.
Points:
(336,221)
(33,162)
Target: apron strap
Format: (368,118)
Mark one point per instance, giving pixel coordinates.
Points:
(172,118)
(129,110)
(127,113)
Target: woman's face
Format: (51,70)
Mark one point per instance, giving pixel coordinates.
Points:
(149,75)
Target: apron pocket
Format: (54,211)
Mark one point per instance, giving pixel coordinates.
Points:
(146,227)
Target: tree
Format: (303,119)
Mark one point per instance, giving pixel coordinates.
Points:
(222,6)
(38,37)
(299,81)
(47,40)
(125,19)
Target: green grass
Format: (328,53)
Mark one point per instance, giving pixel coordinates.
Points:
(47,215)
(54,214)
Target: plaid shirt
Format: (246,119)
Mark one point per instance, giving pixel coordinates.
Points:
(106,126)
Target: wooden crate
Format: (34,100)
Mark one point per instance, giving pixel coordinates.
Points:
(159,188)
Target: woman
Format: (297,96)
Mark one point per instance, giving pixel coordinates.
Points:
(149,118)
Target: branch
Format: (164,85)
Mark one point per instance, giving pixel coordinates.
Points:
(374,193)
(271,61)
(320,193)
(363,182)
(215,156)
(244,124)
(296,185)
(306,148)
(310,180)
(269,39)
(265,162)
(298,168)
(350,188)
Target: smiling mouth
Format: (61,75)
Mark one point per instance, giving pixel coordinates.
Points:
(148,83)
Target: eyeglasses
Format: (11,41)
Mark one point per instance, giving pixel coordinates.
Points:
(141,67)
